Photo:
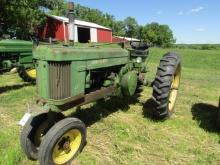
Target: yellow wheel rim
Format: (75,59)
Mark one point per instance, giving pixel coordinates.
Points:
(31,73)
(67,146)
(174,88)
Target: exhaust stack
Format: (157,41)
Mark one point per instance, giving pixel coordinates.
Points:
(71,23)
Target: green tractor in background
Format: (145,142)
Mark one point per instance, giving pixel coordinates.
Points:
(17,54)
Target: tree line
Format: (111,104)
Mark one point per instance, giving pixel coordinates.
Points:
(22,17)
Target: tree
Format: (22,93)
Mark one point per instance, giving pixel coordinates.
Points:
(158,35)
(131,27)
(166,37)
(149,33)
(109,20)
(94,15)
(59,10)
(22,17)
(119,28)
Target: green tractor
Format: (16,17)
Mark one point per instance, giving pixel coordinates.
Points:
(72,76)
(69,77)
(17,54)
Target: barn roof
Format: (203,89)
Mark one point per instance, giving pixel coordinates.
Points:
(79,22)
(127,38)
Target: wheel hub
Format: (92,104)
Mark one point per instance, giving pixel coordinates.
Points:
(67,146)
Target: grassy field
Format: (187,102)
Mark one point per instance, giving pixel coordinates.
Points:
(120,131)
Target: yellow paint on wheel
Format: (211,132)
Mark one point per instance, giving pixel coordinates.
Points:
(174,88)
(67,146)
(32,73)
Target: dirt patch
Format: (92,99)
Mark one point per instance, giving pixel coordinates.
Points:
(7,119)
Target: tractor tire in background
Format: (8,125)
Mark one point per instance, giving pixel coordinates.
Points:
(166,85)
(28,75)
(218,119)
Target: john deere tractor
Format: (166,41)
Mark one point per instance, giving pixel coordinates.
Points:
(17,54)
(71,76)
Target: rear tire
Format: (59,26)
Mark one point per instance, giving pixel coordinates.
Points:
(63,142)
(27,75)
(218,119)
(166,85)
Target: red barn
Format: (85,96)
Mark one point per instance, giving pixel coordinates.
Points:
(57,28)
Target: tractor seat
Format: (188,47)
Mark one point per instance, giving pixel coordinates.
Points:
(139,45)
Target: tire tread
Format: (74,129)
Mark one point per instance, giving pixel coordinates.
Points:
(162,83)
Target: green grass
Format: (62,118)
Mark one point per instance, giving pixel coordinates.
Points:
(119,131)
(198,46)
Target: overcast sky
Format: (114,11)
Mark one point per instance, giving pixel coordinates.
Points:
(192,21)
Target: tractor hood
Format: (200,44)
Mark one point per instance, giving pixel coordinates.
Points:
(61,53)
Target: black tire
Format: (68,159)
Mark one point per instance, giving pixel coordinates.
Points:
(169,67)
(22,72)
(28,141)
(55,136)
(218,119)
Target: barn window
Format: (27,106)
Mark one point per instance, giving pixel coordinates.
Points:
(83,34)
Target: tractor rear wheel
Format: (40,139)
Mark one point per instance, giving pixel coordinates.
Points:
(166,85)
(63,142)
(28,75)
(218,119)
(34,131)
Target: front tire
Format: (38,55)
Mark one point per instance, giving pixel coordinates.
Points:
(63,142)
(166,85)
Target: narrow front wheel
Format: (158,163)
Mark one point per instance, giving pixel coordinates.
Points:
(63,142)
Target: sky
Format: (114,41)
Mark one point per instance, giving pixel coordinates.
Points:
(192,21)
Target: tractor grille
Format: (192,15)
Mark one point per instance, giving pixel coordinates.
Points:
(59,80)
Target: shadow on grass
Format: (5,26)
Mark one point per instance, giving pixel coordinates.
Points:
(13,87)
(102,109)
(148,108)
(206,115)
(149,111)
